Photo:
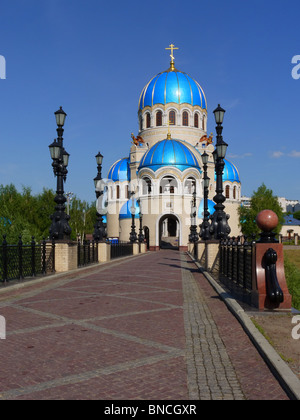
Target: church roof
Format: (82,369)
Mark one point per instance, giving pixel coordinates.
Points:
(172,86)
(125,212)
(169,152)
(120,170)
(211,208)
(231,173)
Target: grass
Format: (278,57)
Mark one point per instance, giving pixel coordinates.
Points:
(292,273)
(262,331)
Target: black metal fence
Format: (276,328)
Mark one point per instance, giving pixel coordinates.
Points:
(26,260)
(120,249)
(30,260)
(87,253)
(236,261)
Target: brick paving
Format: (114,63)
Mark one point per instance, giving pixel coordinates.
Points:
(148,327)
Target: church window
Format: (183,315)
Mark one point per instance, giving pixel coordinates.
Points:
(172,118)
(141,123)
(158,118)
(234,192)
(203,122)
(185,118)
(147,186)
(227,191)
(126,191)
(148,120)
(118,191)
(168,185)
(189,186)
(196,120)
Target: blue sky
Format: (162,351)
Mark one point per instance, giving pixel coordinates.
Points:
(94,57)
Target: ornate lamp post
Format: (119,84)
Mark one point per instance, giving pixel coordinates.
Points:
(193,236)
(60,228)
(99,230)
(133,235)
(219,220)
(141,236)
(204,232)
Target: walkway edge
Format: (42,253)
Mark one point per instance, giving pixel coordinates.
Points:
(286,377)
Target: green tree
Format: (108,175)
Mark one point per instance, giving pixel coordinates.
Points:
(83,218)
(296,215)
(262,199)
(22,213)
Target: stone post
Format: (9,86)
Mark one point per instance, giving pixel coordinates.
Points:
(296,238)
(201,252)
(103,252)
(212,254)
(66,257)
(136,250)
(268,277)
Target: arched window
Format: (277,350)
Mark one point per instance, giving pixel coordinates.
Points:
(203,123)
(189,186)
(158,118)
(196,120)
(148,120)
(185,118)
(126,191)
(147,186)
(118,192)
(227,191)
(234,192)
(172,118)
(168,185)
(141,123)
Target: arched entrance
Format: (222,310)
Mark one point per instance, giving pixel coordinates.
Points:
(147,236)
(169,232)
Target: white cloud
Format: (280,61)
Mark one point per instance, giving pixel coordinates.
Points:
(276,154)
(294,154)
(234,156)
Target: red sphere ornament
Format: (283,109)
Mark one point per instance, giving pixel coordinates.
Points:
(267,220)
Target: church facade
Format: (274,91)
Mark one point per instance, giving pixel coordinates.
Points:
(164,167)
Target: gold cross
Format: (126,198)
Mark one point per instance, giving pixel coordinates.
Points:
(172,48)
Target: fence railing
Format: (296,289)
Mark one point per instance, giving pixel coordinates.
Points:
(87,253)
(120,249)
(29,260)
(236,261)
(26,260)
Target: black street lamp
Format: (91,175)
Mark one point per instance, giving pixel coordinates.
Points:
(99,229)
(193,236)
(133,235)
(204,232)
(60,228)
(141,236)
(219,228)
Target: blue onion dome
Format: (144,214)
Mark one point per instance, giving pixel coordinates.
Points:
(120,170)
(169,152)
(125,212)
(211,208)
(231,173)
(172,86)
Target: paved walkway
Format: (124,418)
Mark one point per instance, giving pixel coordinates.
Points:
(145,327)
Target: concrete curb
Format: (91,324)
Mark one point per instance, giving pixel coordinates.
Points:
(286,377)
